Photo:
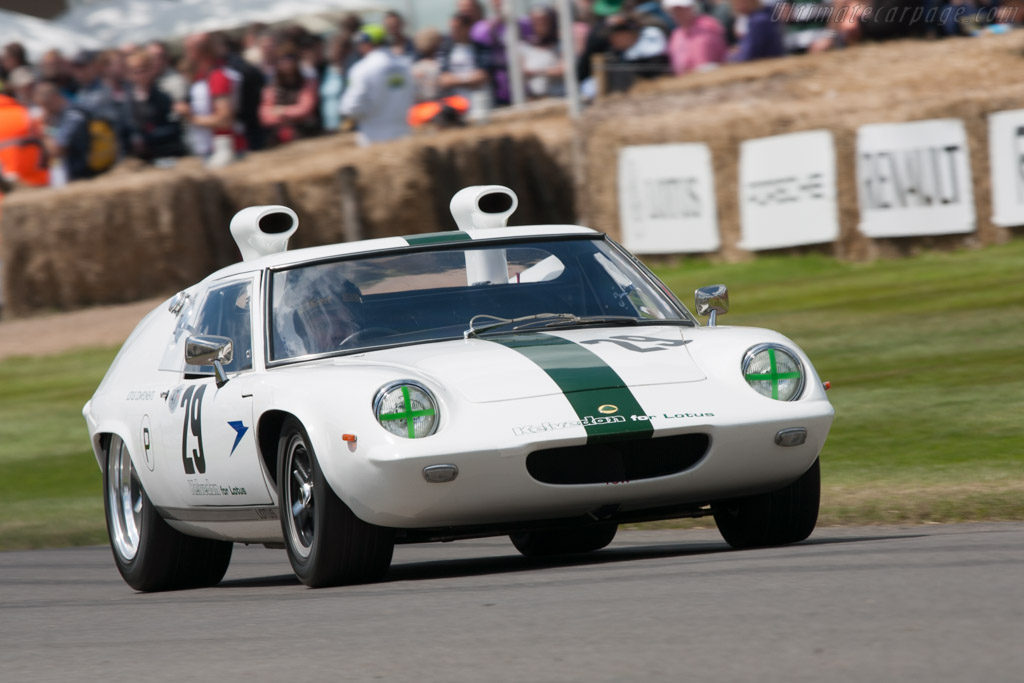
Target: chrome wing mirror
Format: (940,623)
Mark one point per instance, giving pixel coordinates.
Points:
(210,350)
(712,301)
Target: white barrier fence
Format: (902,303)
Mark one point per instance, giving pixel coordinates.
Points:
(1006,152)
(913,179)
(788,180)
(667,198)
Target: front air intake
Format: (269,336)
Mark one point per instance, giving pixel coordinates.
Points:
(617,461)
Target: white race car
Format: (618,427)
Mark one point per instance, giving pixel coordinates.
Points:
(537,382)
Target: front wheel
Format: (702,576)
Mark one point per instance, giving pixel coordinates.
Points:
(327,544)
(784,516)
(150,555)
(564,541)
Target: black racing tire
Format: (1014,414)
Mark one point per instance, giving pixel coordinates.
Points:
(327,544)
(545,543)
(777,518)
(149,554)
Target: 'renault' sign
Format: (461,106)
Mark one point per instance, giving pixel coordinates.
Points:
(1006,154)
(667,199)
(788,190)
(914,179)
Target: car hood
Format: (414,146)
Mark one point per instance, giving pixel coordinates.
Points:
(508,367)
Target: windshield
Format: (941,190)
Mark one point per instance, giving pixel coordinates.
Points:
(382,300)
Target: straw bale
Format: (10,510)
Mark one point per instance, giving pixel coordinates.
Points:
(405,186)
(109,240)
(390,194)
(899,69)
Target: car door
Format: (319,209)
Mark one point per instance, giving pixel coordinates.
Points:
(209,426)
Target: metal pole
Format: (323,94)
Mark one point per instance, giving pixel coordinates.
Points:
(411,16)
(516,84)
(568,47)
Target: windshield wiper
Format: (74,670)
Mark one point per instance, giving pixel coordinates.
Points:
(497,321)
(594,320)
(545,320)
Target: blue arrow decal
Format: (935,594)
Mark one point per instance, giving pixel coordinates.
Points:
(240,430)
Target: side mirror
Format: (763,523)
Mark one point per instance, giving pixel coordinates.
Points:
(210,350)
(712,301)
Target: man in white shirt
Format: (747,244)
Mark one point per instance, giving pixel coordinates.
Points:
(380,90)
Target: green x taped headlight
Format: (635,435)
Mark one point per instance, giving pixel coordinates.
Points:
(406,409)
(774,371)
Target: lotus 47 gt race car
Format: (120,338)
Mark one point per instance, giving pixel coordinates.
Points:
(536,382)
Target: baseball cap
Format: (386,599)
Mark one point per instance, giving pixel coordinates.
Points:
(371,33)
(603,8)
(669,4)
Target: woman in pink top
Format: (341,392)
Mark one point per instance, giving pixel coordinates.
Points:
(699,40)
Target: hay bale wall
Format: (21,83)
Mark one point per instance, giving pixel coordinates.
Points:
(110,242)
(129,236)
(840,91)
(133,235)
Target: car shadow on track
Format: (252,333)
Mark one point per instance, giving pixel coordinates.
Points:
(463,567)
(512,563)
(428,570)
(424,570)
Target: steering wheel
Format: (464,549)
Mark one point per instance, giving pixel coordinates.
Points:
(365,331)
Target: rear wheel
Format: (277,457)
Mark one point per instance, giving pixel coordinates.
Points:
(564,541)
(327,544)
(150,555)
(784,516)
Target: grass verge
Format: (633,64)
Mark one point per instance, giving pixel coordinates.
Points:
(51,490)
(923,355)
(924,359)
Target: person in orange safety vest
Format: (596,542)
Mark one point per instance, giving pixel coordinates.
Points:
(22,159)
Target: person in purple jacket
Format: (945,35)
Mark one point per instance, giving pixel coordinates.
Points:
(490,33)
(761,37)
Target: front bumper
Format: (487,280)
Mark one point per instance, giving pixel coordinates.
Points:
(387,487)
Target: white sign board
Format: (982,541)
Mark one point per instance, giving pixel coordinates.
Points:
(788,190)
(1006,155)
(914,179)
(667,199)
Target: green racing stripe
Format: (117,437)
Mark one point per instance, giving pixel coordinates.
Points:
(587,382)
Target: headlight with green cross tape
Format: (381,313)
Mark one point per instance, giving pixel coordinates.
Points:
(406,409)
(774,371)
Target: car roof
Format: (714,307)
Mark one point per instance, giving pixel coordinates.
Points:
(294,257)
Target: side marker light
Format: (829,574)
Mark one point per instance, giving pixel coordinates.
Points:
(791,437)
(439,474)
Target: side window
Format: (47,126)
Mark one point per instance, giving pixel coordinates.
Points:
(225,313)
(174,353)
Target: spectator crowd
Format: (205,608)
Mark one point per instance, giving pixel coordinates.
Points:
(218,96)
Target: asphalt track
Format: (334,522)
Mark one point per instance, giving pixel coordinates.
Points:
(879,604)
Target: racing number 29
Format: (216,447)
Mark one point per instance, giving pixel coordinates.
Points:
(192,402)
